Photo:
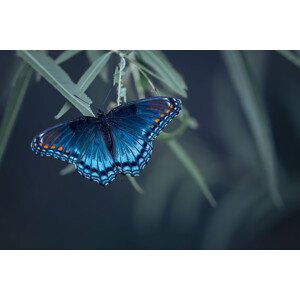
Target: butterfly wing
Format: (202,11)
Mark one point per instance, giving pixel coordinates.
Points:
(97,163)
(134,126)
(80,142)
(131,153)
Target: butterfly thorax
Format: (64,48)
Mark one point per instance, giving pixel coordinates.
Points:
(105,131)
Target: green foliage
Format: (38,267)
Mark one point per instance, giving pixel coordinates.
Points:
(291,56)
(253,106)
(91,73)
(143,66)
(92,55)
(18,90)
(139,73)
(65,108)
(55,75)
(65,55)
(164,70)
(187,161)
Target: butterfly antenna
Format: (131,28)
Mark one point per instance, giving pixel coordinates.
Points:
(97,108)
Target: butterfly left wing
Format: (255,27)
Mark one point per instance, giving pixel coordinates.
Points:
(134,126)
(81,142)
(64,141)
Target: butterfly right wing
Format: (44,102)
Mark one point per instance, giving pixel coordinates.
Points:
(134,126)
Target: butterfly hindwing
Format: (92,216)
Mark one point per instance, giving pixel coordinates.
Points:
(131,153)
(96,163)
(134,126)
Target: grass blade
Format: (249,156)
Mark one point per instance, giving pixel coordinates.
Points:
(65,108)
(289,55)
(19,88)
(252,104)
(135,185)
(56,76)
(160,64)
(66,55)
(67,170)
(92,55)
(185,159)
(91,73)
(144,70)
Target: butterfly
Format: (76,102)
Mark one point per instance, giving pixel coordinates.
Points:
(117,142)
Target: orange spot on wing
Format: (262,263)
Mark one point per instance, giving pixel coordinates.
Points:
(162,115)
(52,147)
(41,145)
(156,120)
(46,147)
(60,148)
(67,151)
(152,126)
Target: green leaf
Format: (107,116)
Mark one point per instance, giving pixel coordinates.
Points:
(135,184)
(289,55)
(162,67)
(252,104)
(67,170)
(65,108)
(189,164)
(92,55)
(56,76)
(144,71)
(66,55)
(95,68)
(19,88)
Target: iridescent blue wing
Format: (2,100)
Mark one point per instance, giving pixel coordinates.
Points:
(80,142)
(134,126)
(145,118)
(96,163)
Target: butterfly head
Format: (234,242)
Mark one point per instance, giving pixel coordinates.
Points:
(100,113)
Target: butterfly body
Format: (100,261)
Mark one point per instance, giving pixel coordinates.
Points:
(118,142)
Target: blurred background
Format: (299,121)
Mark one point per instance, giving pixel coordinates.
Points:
(257,194)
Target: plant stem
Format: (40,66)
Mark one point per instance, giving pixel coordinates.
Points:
(122,65)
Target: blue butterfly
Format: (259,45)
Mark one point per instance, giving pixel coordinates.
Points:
(118,142)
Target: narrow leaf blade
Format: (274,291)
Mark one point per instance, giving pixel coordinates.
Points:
(93,55)
(185,159)
(91,73)
(65,108)
(19,88)
(56,76)
(162,67)
(67,170)
(289,55)
(252,104)
(135,185)
(64,56)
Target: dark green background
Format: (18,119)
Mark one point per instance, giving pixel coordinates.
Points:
(41,210)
